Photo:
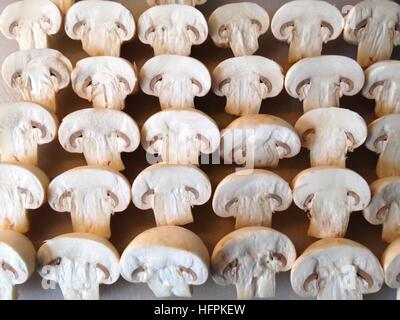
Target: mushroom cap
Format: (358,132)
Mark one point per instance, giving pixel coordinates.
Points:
(102,121)
(321,178)
(17,251)
(162,245)
(252,241)
(380,127)
(235,12)
(164,176)
(178,66)
(86,178)
(92,248)
(391,264)
(250,182)
(305,10)
(345,119)
(325,66)
(340,252)
(238,66)
(379,72)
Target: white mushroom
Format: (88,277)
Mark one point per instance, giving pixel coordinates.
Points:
(391,265)
(383,138)
(329,195)
(22,187)
(251,196)
(321,81)
(336,269)
(102,26)
(38,74)
(384,207)
(64,5)
(373,25)
(17,262)
(30,22)
(172,29)
(330,133)
(383,85)
(101,135)
(169,259)
(175,80)
(306,25)
(259,141)
(250,258)
(246,82)
(187,2)
(238,26)
(24,126)
(91,195)
(79,263)
(171,191)
(104,81)
(180,136)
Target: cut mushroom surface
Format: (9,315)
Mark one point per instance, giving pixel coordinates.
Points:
(383,138)
(102,26)
(63,5)
(187,2)
(306,25)
(101,135)
(391,265)
(37,74)
(175,80)
(321,81)
(238,26)
(373,25)
(30,22)
(250,258)
(79,263)
(171,191)
(246,82)
(329,195)
(180,136)
(251,196)
(169,259)
(92,195)
(104,81)
(330,133)
(172,29)
(383,85)
(258,141)
(24,126)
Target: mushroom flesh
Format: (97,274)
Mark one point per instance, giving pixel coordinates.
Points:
(391,265)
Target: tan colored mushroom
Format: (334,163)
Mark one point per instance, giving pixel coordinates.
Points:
(391,265)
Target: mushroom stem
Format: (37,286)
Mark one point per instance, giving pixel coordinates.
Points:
(398,294)
(31,36)
(243,38)
(251,211)
(103,42)
(175,93)
(106,93)
(7,289)
(168,281)
(389,159)
(321,93)
(266,285)
(171,42)
(391,223)
(387,98)
(180,147)
(13,213)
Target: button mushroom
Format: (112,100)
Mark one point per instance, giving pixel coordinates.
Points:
(17,262)
(383,138)
(373,25)
(22,187)
(79,263)
(330,133)
(329,195)
(259,141)
(24,126)
(336,269)
(30,22)
(306,25)
(38,74)
(384,207)
(187,2)
(171,191)
(179,136)
(101,135)
(175,80)
(63,5)
(246,81)
(91,195)
(251,196)
(104,81)
(238,26)
(321,81)
(169,259)
(172,29)
(102,26)
(391,265)
(249,258)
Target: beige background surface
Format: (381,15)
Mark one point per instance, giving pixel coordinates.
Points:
(125,226)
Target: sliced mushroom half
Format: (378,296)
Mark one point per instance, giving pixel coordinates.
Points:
(391,265)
